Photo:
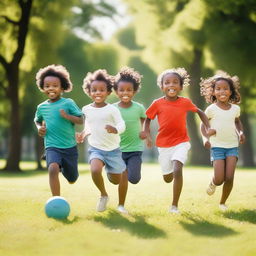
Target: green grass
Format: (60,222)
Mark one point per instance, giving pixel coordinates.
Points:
(201,229)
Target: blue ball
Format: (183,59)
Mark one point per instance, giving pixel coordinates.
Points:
(57,207)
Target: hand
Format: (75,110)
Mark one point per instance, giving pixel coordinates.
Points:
(64,114)
(210,132)
(241,138)
(42,130)
(207,144)
(110,129)
(143,135)
(80,137)
(149,141)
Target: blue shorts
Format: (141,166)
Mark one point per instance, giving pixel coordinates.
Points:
(133,164)
(112,159)
(67,158)
(223,153)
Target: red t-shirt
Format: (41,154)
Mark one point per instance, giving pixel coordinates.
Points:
(171,119)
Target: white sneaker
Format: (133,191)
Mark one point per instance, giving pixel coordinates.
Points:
(211,189)
(121,209)
(102,203)
(174,209)
(223,207)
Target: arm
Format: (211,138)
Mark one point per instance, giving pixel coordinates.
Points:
(146,129)
(71,118)
(41,127)
(239,129)
(142,134)
(208,131)
(120,124)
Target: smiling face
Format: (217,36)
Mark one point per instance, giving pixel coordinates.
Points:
(171,86)
(125,91)
(222,91)
(52,88)
(99,93)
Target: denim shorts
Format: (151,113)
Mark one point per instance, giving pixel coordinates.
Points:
(223,153)
(112,159)
(67,158)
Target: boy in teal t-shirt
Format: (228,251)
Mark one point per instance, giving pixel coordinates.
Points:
(127,84)
(55,119)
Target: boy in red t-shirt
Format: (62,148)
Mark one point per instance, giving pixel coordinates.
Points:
(172,138)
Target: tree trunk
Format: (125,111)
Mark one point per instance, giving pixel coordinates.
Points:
(12,92)
(199,155)
(14,143)
(39,149)
(247,149)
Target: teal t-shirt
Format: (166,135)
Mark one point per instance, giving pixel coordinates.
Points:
(130,140)
(60,132)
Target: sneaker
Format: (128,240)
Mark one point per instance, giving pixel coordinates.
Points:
(223,207)
(174,209)
(211,189)
(121,209)
(102,203)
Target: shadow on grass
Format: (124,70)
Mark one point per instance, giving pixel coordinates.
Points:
(242,215)
(136,226)
(201,227)
(67,221)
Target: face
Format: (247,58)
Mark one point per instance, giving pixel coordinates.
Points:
(125,91)
(222,91)
(99,92)
(171,86)
(52,88)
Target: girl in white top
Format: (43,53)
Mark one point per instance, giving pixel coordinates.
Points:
(103,123)
(222,91)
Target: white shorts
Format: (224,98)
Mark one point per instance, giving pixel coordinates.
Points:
(168,155)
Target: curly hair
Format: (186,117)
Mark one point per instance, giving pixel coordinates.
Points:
(180,72)
(207,87)
(129,75)
(98,75)
(56,71)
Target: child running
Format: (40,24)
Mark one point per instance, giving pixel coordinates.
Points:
(55,119)
(105,124)
(222,91)
(127,84)
(172,138)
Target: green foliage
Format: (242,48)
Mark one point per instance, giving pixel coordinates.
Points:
(127,38)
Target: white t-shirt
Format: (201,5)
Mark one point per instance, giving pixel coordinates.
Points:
(223,121)
(96,119)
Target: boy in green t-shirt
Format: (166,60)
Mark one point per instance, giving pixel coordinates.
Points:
(55,119)
(127,84)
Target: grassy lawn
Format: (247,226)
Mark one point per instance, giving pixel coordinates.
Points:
(200,229)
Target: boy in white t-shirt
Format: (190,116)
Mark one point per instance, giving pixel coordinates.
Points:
(222,91)
(105,124)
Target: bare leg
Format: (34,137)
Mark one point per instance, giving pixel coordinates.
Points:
(178,181)
(122,188)
(96,172)
(54,170)
(219,172)
(114,178)
(229,178)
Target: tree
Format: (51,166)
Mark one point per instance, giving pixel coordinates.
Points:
(17,41)
(10,64)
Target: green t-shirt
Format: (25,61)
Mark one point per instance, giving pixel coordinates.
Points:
(130,140)
(60,133)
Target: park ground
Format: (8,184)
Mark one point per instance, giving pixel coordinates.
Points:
(149,230)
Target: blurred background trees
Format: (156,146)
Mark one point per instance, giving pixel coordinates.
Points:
(201,35)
